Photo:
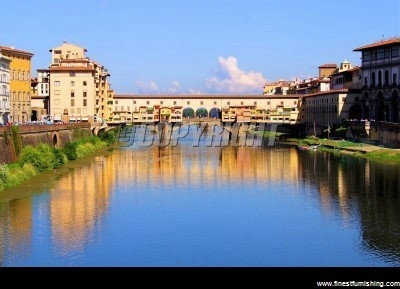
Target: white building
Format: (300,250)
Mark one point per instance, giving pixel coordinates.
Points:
(78,86)
(4,89)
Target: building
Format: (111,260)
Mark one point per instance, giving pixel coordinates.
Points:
(20,83)
(140,108)
(79,88)
(328,109)
(40,95)
(346,76)
(4,89)
(380,70)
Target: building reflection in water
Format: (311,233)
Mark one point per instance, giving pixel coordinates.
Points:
(355,190)
(79,204)
(366,191)
(15,227)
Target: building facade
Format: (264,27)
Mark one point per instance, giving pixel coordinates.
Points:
(20,83)
(379,76)
(40,95)
(4,89)
(78,86)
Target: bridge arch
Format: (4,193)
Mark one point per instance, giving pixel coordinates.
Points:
(55,139)
(201,112)
(188,112)
(215,112)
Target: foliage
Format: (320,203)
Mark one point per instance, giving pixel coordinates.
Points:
(4,173)
(108,136)
(41,157)
(70,150)
(384,155)
(16,138)
(60,157)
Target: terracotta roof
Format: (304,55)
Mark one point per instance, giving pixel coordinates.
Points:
(328,65)
(203,96)
(332,91)
(74,60)
(12,50)
(71,68)
(386,42)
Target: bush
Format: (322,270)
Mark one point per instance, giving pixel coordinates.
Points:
(70,151)
(60,158)
(19,174)
(85,149)
(108,136)
(41,157)
(4,173)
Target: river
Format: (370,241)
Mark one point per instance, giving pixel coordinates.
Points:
(187,205)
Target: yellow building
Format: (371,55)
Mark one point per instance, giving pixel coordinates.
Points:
(20,83)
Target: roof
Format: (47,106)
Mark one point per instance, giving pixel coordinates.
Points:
(204,96)
(328,65)
(75,60)
(70,68)
(385,42)
(12,50)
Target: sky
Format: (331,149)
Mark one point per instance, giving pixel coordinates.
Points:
(200,47)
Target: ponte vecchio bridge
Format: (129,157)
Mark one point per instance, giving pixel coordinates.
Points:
(140,108)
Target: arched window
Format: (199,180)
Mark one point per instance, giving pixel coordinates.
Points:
(386,83)
(373,78)
(380,78)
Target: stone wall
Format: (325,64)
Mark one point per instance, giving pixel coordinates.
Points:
(56,135)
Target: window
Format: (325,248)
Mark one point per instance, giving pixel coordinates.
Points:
(174,102)
(84,83)
(228,103)
(57,51)
(215,103)
(84,102)
(56,83)
(72,102)
(72,83)
(188,102)
(147,102)
(201,102)
(85,94)
(255,103)
(395,51)
(72,74)
(268,102)
(161,102)
(394,78)
(387,52)
(116,102)
(380,53)
(134,102)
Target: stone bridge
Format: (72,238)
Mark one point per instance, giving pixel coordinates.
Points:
(54,134)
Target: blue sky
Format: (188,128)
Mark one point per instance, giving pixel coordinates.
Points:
(205,46)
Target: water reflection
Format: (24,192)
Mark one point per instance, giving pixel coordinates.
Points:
(357,193)
(79,203)
(362,191)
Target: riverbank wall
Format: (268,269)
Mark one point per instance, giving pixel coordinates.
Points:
(14,138)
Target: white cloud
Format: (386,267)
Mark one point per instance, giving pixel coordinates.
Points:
(151,87)
(146,87)
(174,87)
(234,80)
